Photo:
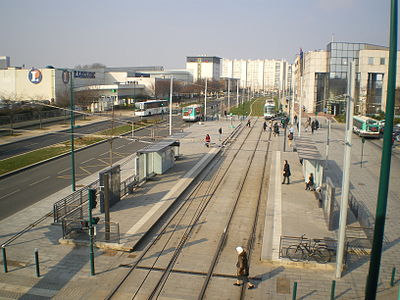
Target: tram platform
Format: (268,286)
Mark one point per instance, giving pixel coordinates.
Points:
(290,211)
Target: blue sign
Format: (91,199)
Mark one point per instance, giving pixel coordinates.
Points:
(35,76)
(84,74)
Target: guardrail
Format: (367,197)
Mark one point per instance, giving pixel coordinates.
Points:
(70,204)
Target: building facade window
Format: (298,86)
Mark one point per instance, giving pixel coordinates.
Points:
(382,61)
(370,60)
(374,93)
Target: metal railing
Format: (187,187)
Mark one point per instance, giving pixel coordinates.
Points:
(72,203)
(107,232)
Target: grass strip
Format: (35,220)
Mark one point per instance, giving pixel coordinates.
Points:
(24,160)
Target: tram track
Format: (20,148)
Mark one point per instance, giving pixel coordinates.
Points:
(173,237)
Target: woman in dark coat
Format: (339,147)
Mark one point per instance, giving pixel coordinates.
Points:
(286,172)
(242,268)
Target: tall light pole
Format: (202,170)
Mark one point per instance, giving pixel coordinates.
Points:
(229,94)
(374,265)
(205,101)
(72,119)
(237,93)
(300,104)
(344,203)
(170,105)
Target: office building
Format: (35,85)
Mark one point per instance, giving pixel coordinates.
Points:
(321,78)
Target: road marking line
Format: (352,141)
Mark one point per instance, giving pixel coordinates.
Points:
(120,147)
(36,182)
(84,162)
(9,194)
(82,168)
(62,171)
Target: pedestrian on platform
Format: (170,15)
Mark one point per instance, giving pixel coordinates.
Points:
(290,138)
(312,127)
(248,123)
(242,266)
(208,140)
(310,183)
(286,172)
(265,126)
(316,124)
(276,129)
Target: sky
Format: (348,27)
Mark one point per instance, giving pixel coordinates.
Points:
(163,32)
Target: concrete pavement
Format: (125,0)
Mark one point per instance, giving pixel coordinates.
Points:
(294,211)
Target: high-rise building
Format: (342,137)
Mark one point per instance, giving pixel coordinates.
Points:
(4,62)
(204,67)
(260,75)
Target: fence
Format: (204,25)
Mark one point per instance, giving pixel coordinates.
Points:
(78,229)
(128,184)
(72,204)
(107,232)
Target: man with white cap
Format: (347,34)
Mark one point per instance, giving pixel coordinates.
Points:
(242,268)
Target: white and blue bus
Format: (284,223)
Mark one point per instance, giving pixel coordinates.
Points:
(151,107)
(366,127)
(269,110)
(192,113)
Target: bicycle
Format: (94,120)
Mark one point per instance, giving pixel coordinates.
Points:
(305,250)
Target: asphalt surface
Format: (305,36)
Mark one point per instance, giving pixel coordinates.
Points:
(25,188)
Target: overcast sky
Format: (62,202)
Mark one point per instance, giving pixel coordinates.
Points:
(164,32)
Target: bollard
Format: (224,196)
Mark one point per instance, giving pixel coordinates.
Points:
(37,262)
(294,290)
(3,250)
(393,276)
(333,287)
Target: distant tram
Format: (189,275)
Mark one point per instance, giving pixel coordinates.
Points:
(269,110)
(365,126)
(151,107)
(192,113)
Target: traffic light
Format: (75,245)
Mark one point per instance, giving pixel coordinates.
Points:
(92,198)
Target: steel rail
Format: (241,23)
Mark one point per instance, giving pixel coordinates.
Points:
(158,288)
(164,228)
(228,223)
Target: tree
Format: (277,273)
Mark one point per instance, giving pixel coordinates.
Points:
(92,66)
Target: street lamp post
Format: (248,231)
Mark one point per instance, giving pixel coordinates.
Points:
(205,101)
(170,105)
(72,119)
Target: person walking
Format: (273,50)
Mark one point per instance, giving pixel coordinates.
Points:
(316,124)
(312,127)
(208,140)
(286,172)
(265,126)
(310,183)
(248,123)
(276,129)
(220,133)
(290,137)
(242,266)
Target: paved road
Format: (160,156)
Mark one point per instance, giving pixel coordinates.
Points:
(23,146)
(26,188)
